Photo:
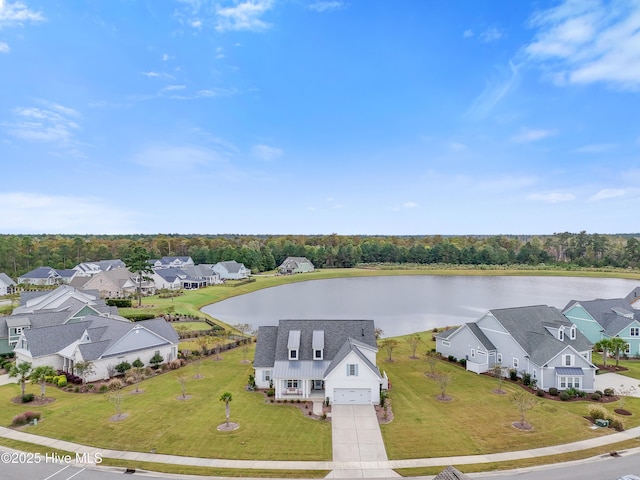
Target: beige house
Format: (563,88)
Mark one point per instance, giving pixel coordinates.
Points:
(119,282)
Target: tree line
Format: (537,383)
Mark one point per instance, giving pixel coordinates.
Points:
(22,253)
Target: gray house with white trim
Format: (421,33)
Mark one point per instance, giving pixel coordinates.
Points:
(537,340)
(7,285)
(320,359)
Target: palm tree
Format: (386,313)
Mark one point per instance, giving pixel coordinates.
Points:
(618,345)
(22,372)
(40,374)
(226,397)
(605,347)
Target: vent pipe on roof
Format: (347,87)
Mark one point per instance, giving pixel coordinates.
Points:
(363,332)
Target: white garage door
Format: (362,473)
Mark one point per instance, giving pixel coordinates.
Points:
(361,396)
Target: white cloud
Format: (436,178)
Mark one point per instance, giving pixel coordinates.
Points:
(150,74)
(17,13)
(409,205)
(554,197)
(467,33)
(607,193)
(496,89)
(327,6)
(581,42)
(491,34)
(173,88)
(527,135)
(595,148)
(265,152)
(243,16)
(457,146)
(51,124)
(38,213)
(4,47)
(166,57)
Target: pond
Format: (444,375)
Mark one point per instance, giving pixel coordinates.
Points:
(406,304)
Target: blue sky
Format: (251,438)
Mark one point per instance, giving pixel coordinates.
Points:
(319,116)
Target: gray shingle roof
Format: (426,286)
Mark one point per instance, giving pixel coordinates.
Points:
(4,278)
(231,266)
(49,340)
(609,313)
(482,338)
(527,326)
(349,346)
(36,320)
(265,354)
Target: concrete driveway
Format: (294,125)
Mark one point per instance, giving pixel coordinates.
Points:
(617,381)
(357,443)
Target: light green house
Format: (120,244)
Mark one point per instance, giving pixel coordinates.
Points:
(609,318)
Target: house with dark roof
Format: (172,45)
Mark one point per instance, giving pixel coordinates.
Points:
(607,318)
(88,269)
(231,270)
(296,265)
(103,341)
(7,285)
(175,279)
(171,262)
(12,326)
(536,340)
(321,359)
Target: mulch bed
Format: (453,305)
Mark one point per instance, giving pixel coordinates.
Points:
(622,411)
(36,401)
(611,368)
(522,426)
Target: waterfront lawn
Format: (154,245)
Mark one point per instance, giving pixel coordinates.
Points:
(158,421)
(476,420)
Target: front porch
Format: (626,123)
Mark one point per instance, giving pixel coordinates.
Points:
(299,389)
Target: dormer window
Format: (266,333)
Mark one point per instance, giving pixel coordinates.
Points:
(572,332)
(561,334)
(293,354)
(293,344)
(317,344)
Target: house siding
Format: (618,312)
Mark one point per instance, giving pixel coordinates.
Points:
(102,366)
(585,323)
(634,342)
(338,378)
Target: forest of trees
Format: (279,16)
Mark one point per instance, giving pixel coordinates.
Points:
(22,253)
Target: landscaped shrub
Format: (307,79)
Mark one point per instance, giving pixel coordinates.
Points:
(62,381)
(451,358)
(27,397)
(513,375)
(616,422)
(553,391)
(572,392)
(138,317)
(103,388)
(564,396)
(130,380)
(156,360)
(596,412)
(540,393)
(608,392)
(24,418)
(526,379)
(118,302)
(599,392)
(463,362)
(114,384)
(271,392)
(595,396)
(122,367)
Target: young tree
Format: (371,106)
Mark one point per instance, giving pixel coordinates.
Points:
(414,341)
(226,397)
(115,396)
(443,379)
(136,258)
(432,361)
(389,344)
(618,345)
(138,372)
(40,374)
(22,372)
(524,402)
(378,333)
(84,369)
(182,379)
(156,360)
(496,372)
(605,347)
(246,330)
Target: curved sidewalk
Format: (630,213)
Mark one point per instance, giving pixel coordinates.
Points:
(328,465)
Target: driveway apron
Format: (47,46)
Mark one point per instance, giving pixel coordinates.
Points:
(358,449)
(619,383)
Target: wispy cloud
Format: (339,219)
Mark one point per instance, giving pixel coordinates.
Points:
(327,6)
(581,42)
(266,152)
(38,213)
(169,157)
(55,123)
(496,89)
(491,34)
(17,14)
(467,33)
(4,47)
(173,88)
(595,148)
(457,146)
(527,135)
(150,74)
(409,205)
(404,206)
(553,197)
(245,15)
(607,193)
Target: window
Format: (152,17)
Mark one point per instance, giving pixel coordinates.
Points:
(266,375)
(635,331)
(499,357)
(293,354)
(19,330)
(516,362)
(627,348)
(352,370)
(445,343)
(292,383)
(317,354)
(568,360)
(561,334)
(572,332)
(473,353)
(569,382)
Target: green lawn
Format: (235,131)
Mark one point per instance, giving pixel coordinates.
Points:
(476,420)
(158,420)
(633,365)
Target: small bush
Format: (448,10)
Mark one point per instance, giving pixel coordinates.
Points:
(540,393)
(27,397)
(597,412)
(608,392)
(24,418)
(114,384)
(103,388)
(616,423)
(62,381)
(452,359)
(463,362)
(595,396)
(271,392)
(118,302)
(553,391)
(599,393)
(526,379)
(122,367)
(564,396)
(130,380)
(513,375)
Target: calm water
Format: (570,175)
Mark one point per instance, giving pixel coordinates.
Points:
(405,304)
